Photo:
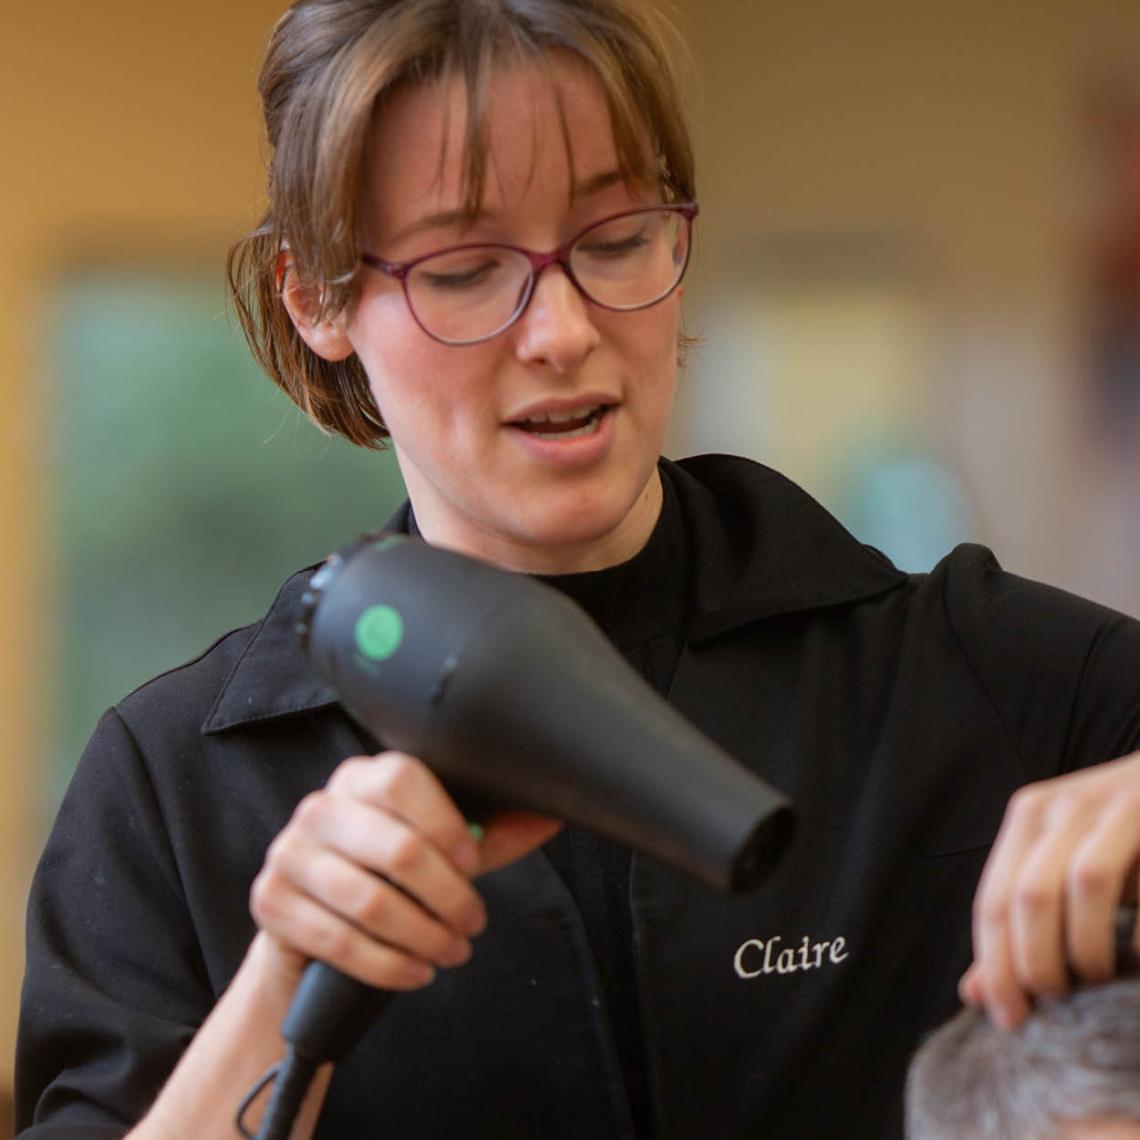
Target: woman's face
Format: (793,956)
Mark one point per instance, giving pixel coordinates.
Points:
(480,480)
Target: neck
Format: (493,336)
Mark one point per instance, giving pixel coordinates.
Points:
(521,555)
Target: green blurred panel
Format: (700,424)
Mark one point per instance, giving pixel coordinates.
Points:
(187,488)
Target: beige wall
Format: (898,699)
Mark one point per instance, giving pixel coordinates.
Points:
(964,128)
(129,129)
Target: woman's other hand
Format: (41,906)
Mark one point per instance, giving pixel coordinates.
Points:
(373,875)
(1066,856)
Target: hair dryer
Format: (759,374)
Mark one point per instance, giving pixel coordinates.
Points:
(515,699)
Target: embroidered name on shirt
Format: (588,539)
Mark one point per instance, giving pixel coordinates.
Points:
(759,956)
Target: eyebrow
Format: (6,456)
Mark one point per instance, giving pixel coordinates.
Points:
(442,218)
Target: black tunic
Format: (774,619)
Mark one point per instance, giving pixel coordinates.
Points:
(898,711)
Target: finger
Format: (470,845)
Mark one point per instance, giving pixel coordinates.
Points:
(385,844)
(379,909)
(1005,1001)
(1038,915)
(969,986)
(1100,867)
(997,978)
(302,924)
(405,787)
(511,835)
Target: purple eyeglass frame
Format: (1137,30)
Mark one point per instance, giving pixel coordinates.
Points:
(538,262)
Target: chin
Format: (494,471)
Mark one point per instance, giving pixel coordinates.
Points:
(575,519)
(584,528)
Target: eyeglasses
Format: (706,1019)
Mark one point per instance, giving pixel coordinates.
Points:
(469,293)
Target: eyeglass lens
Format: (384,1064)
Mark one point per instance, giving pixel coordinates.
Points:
(627,262)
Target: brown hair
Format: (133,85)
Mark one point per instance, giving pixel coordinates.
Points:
(330,63)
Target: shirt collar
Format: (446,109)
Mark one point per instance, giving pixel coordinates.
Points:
(759,547)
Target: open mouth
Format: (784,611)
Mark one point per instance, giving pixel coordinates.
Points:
(570,424)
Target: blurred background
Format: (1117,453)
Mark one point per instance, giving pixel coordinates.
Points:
(917,282)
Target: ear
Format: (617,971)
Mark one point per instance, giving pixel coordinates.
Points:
(326,336)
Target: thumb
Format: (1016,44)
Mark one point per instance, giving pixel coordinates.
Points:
(512,834)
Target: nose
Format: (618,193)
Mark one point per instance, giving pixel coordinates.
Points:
(557,329)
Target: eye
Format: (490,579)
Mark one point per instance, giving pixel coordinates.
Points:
(459,277)
(462,270)
(608,244)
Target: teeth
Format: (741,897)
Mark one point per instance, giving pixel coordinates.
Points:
(563,417)
(585,429)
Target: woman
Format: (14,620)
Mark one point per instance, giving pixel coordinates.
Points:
(526,398)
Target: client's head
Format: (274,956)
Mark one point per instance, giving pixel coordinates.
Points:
(1070,1071)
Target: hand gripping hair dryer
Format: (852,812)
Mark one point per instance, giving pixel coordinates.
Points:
(515,699)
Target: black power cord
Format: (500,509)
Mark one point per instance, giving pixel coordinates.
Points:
(294,1076)
(328,1014)
(249,1098)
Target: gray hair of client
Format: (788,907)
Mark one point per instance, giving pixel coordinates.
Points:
(1074,1058)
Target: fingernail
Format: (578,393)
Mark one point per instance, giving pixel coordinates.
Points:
(479,922)
(458,952)
(466,855)
(1004,1017)
(420,973)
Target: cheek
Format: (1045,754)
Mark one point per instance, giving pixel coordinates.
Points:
(411,408)
(397,356)
(381,338)
(430,396)
(654,343)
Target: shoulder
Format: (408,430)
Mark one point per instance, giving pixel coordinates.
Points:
(1000,613)
(1060,670)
